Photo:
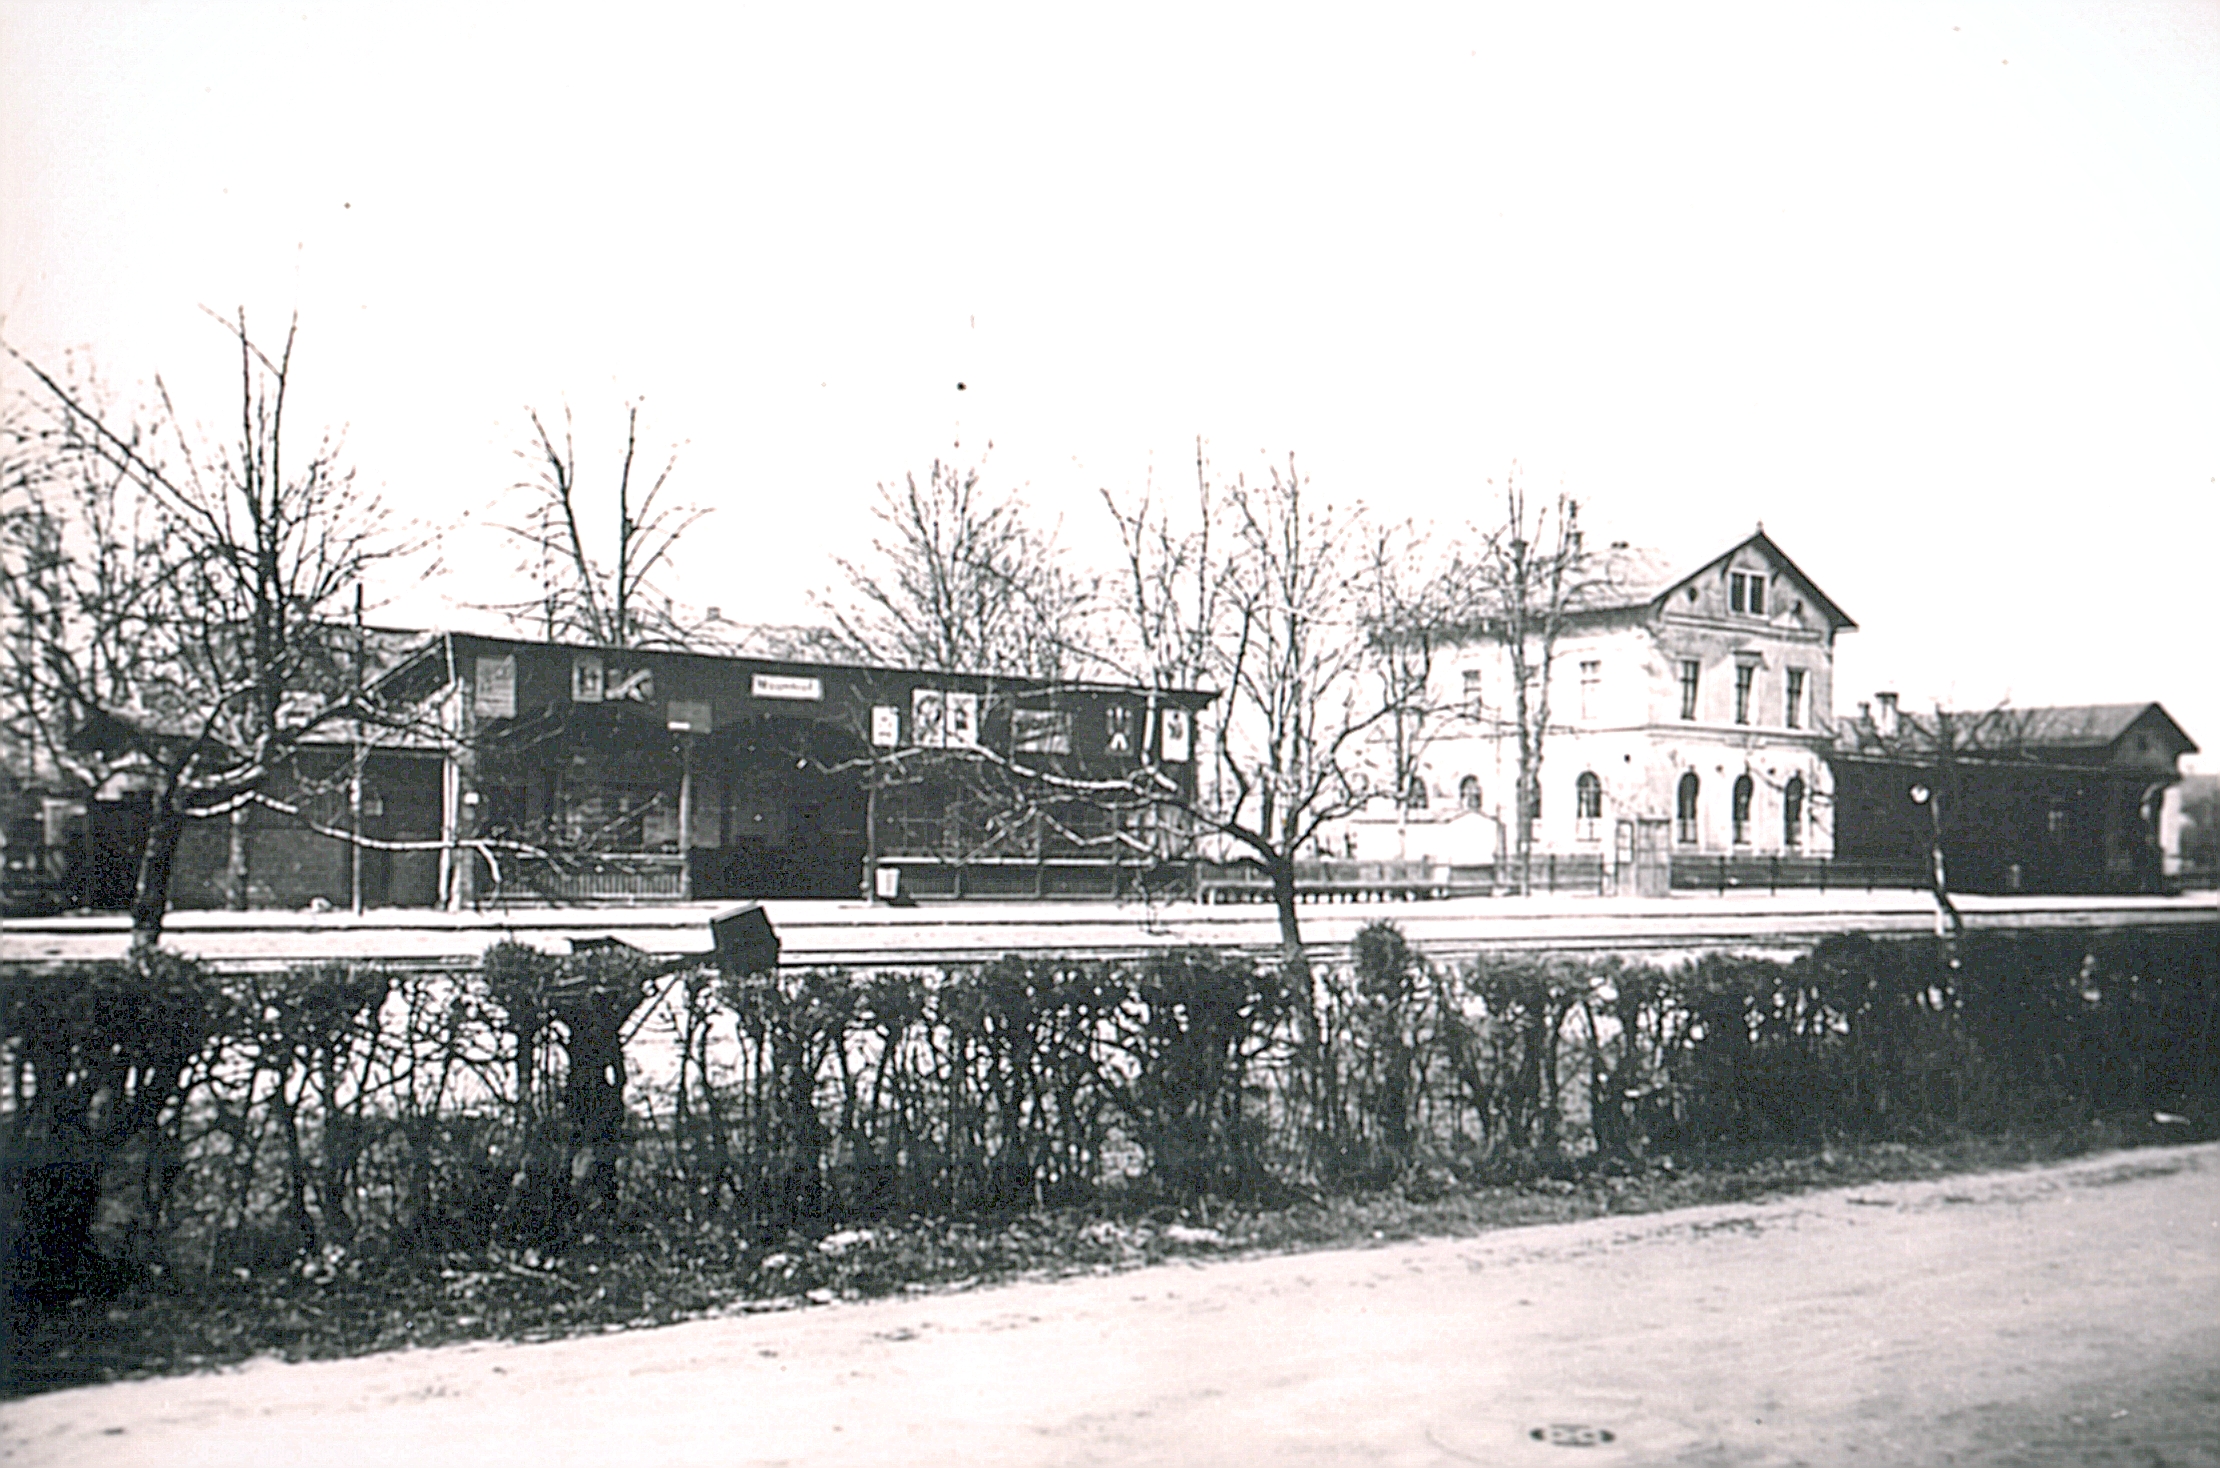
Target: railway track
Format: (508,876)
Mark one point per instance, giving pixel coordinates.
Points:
(853,935)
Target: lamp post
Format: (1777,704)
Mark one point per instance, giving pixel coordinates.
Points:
(1948,925)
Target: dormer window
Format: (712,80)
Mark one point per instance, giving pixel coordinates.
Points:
(1746,592)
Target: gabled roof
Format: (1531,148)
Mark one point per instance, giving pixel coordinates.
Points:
(1641,576)
(1836,616)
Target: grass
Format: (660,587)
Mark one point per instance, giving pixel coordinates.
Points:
(649,1274)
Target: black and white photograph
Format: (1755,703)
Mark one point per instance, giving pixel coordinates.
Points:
(1217,734)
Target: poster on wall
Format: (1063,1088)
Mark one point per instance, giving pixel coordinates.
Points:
(925,718)
(1040,731)
(886,726)
(585,677)
(494,688)
(1117,721)
(963,720)
(1179,736)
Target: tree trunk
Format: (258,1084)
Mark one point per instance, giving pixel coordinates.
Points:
(236,873)
(1283,902)
(593,1093)
(150,902)
(1314,1067)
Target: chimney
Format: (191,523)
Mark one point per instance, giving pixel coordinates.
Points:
(1884,722)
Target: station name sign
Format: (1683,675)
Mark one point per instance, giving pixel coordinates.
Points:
(780,685)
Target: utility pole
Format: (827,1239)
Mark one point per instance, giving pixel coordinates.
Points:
(354,779)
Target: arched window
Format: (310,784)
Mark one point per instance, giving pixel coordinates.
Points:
(1685,807)
(1744,788)
(1792,811)
(1468,792)
(1588,803)
(1414,796)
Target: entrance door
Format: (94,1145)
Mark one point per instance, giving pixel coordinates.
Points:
(1653,858)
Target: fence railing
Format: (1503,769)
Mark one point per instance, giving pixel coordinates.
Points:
(1694,873)
(1394,881)
(608,876)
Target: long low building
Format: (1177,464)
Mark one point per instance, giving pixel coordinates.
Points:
(507,771)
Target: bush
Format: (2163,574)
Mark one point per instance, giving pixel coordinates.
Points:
(97,1057)
(324,1116)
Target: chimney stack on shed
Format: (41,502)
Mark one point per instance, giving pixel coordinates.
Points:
(1884,720)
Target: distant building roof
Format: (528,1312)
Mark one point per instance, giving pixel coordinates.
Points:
(2090,725)
(780,642)
(2027,732)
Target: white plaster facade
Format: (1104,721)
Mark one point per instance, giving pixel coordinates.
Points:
(1757,639)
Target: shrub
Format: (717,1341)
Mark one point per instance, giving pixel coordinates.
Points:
(97,1056)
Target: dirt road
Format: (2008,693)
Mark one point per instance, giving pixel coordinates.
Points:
(2063,1316)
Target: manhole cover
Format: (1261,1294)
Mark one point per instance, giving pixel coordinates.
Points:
(1572,1435)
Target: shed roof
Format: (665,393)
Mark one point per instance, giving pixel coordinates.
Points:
(2032,731)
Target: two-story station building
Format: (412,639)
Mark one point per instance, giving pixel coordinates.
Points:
(1689,714)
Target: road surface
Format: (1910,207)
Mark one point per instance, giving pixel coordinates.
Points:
(2069,1315)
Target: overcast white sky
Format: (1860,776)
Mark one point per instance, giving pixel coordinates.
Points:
(1932,290)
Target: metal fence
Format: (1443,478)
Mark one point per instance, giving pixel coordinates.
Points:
(1692,873)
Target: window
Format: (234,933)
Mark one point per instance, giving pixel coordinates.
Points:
(1414,794)
(1588,803)
(1468,793)
(1472,692)
(1745,678)
(1685,808)
(1690,670)
(1795,701)
(1591,679)
(1744,788)
(1746,592)
(1792,811)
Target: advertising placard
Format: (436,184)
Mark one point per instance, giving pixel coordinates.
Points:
(962,717)
(493,690)
(925,718)
(585,677)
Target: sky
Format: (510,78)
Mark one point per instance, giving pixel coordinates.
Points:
(1931,290)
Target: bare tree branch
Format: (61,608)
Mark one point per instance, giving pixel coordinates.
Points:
(173,610)
(581,595)
(957,581)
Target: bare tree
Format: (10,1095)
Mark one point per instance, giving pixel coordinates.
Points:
(1170,593)
(175,607)
(958,581)
(1275,622)
(1258,596)
(1408,619)
(1517,585)
(603,598)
